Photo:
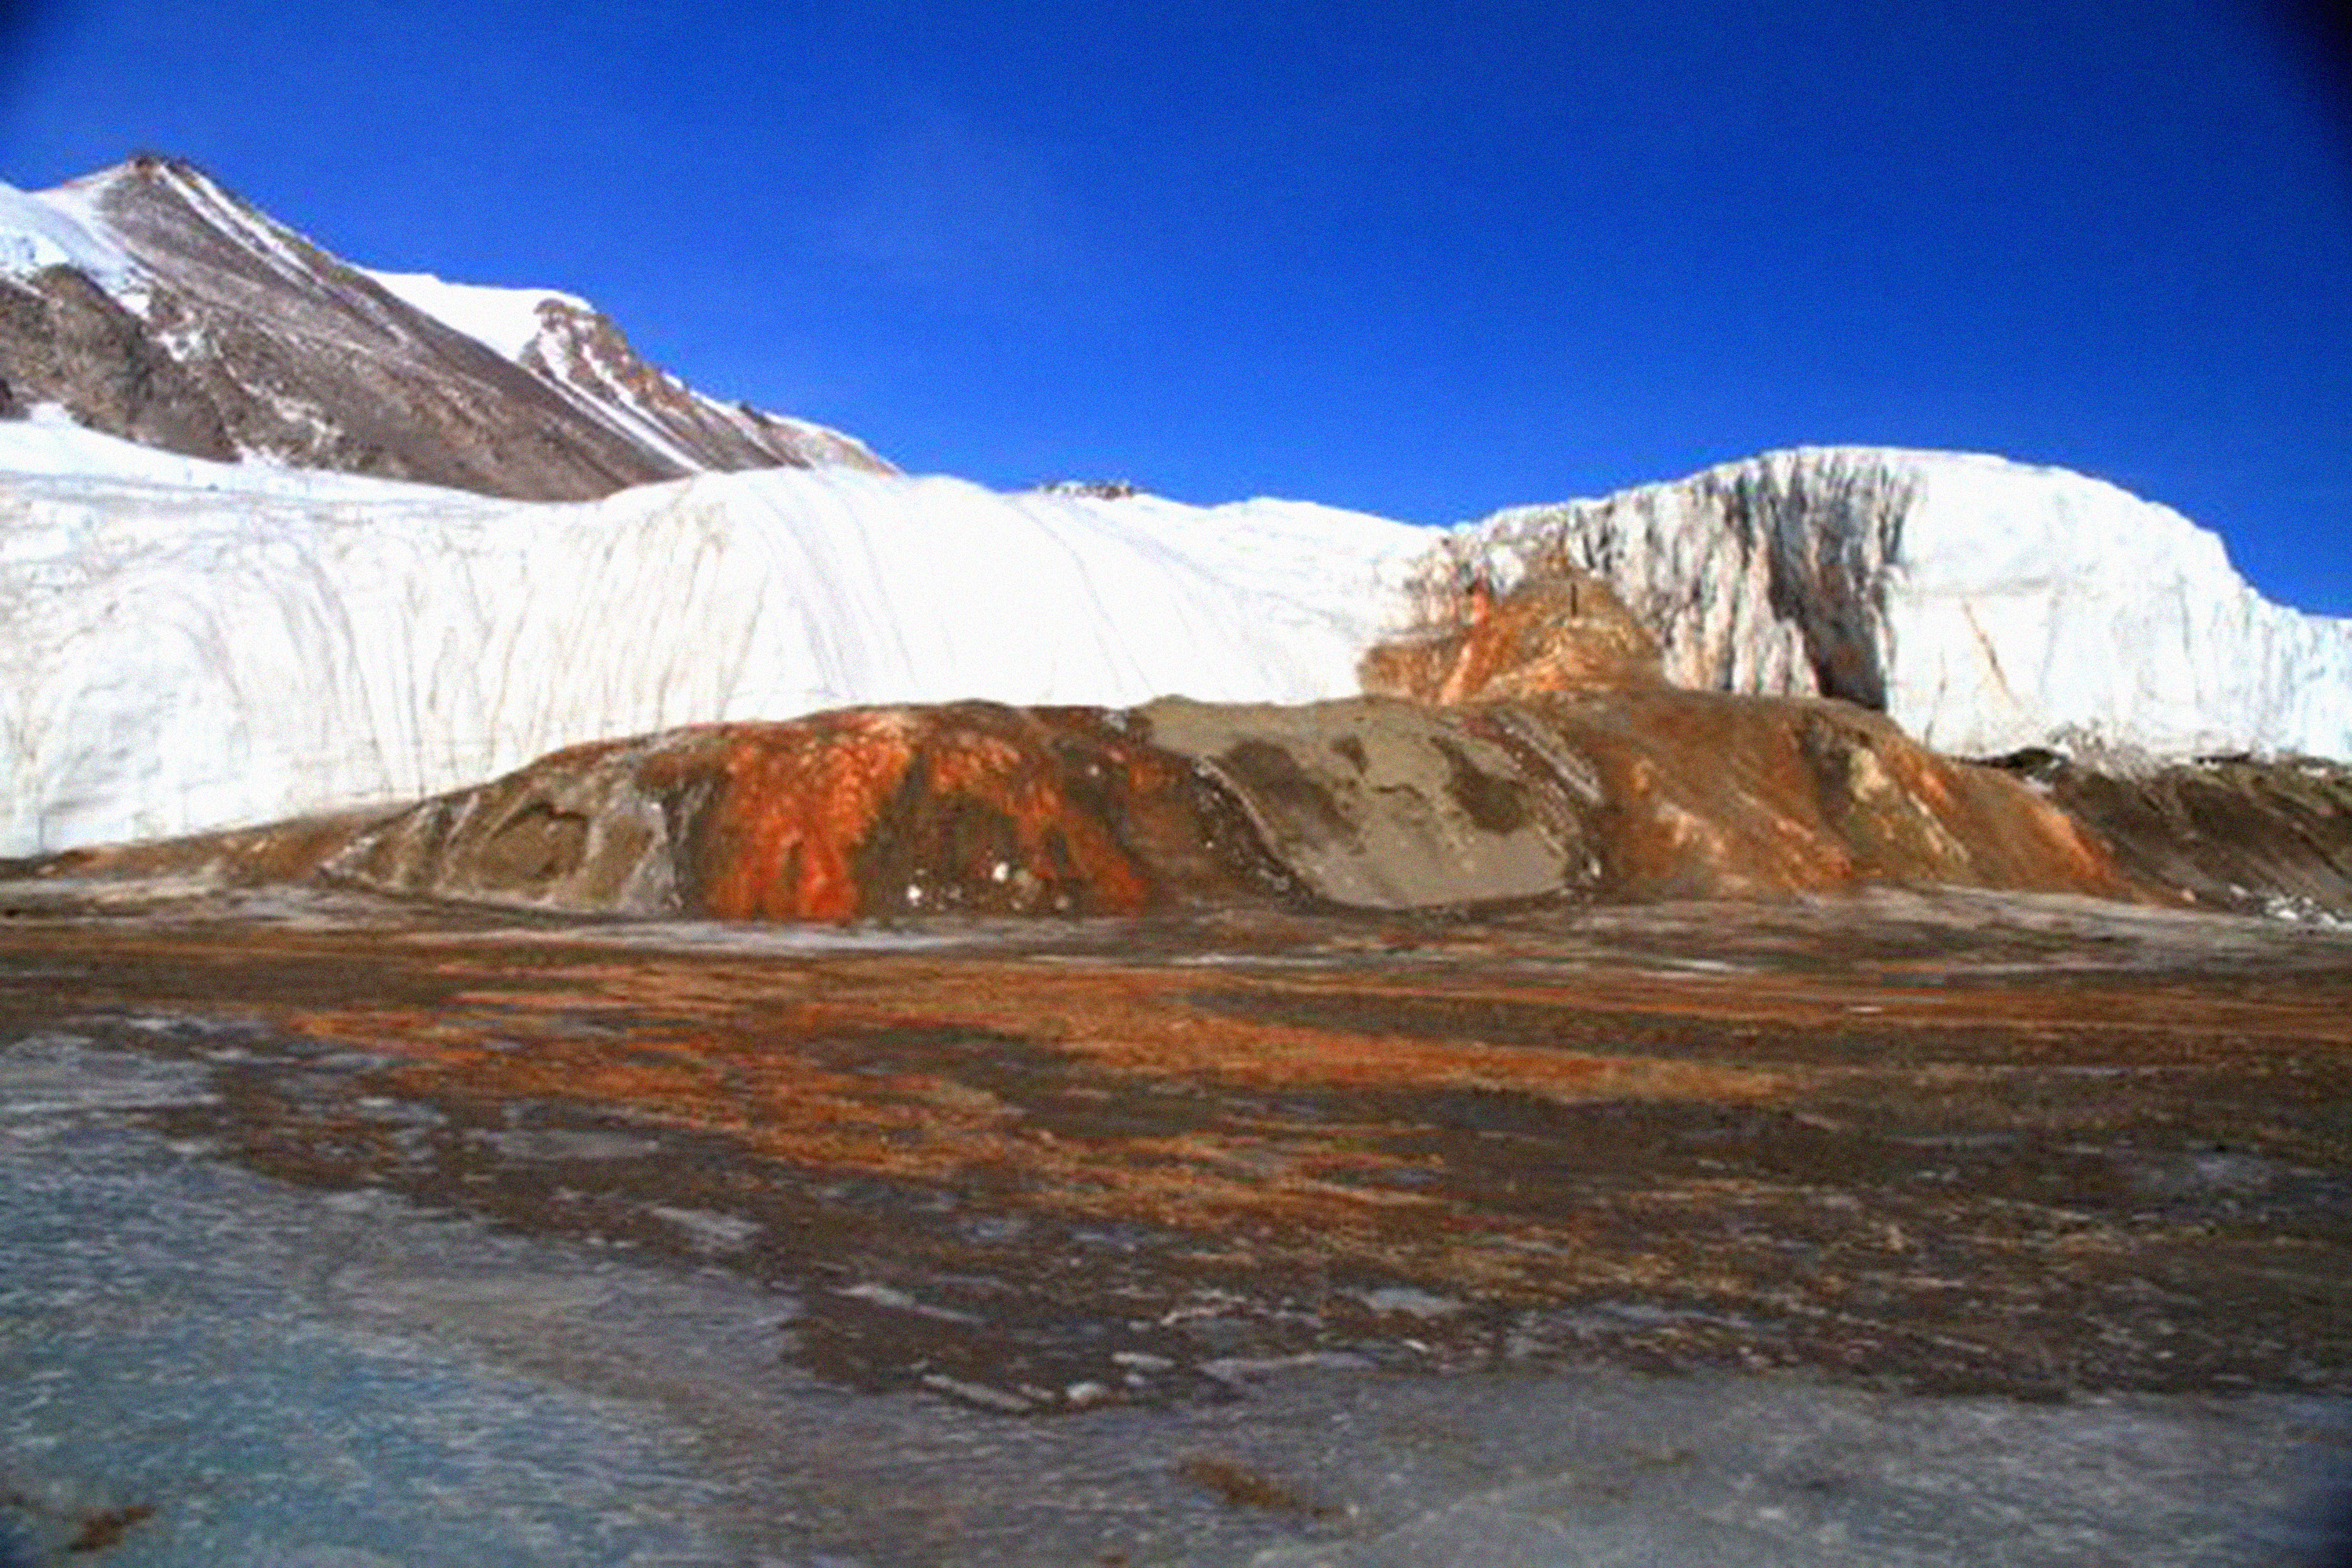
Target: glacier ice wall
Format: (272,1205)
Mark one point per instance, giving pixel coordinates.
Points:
(1984,605)
(187,646)
(174,659)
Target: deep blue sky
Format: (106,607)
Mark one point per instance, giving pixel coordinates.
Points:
(1425,259)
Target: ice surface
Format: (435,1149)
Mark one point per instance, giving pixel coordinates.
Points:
(47,445)
(252,1374)
(506,319)
(39,231)
(1986,604)
(180,658)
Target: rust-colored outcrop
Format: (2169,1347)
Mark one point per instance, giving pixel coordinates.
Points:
(2244,833)
(1367,804)
(865,812)
(1709,795)
(1565,631)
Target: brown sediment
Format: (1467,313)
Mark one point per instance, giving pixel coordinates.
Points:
(1237,1485)
(1965,1158)
(104,1531)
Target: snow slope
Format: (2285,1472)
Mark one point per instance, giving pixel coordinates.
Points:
(187,645)
(37,232)
(504,321)
(1984,605)
(49,443)
(177,658)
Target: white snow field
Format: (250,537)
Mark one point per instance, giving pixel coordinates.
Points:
(187,646)
(48,230)
(505,321)
(1985,605)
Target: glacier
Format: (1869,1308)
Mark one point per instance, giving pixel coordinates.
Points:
(187,646)
(1986,605)
(190,646)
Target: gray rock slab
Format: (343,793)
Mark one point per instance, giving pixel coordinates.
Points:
(1377,803)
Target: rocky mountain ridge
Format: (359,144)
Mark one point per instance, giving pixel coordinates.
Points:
(151,303)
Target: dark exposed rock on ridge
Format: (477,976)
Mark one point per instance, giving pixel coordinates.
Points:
(65,340)
(232,333)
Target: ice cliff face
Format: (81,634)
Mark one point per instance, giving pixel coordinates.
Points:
(154,304)
(1985,606)
(187,646)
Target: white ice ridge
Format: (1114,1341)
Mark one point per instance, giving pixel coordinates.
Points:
(46,230)
(175,659)
(504,319)
(1986,605)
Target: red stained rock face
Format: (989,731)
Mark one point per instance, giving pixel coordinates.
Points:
(863,812)
(1369,803)
(1707,795)
(1566,631)
(972,807)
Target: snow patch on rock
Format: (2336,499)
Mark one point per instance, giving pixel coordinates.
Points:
(39,231)
(504,321)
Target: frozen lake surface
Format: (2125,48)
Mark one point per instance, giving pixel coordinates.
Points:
(209,1367)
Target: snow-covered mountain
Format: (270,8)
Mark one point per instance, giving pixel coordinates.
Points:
(1984,605)
(150,303)
(186,645)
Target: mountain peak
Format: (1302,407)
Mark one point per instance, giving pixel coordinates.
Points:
(152,302)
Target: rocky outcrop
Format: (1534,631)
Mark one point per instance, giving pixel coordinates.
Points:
(1704,795)
(2235,832)
(1984,606)
(154,305)
(1382,805)
(65,340)
(972,808)
(1369,803)
(1562,630)
(584,351)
